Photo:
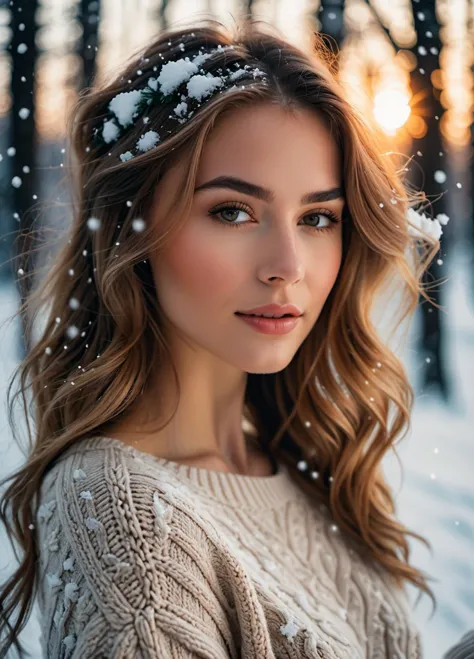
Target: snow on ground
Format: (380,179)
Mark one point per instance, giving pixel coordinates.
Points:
(435,497)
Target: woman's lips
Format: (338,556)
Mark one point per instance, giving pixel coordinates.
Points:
(273,326)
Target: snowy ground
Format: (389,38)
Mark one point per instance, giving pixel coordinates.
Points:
(435,497)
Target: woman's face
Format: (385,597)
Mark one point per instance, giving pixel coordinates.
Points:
(268,247)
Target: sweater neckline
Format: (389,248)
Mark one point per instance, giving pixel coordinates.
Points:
(229,488)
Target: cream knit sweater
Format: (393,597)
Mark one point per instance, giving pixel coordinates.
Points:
(141,557)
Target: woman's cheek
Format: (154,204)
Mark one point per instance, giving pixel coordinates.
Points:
(203,263)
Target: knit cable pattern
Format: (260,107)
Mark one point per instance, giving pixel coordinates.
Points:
(143,558)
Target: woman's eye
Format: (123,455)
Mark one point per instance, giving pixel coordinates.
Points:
(229,215)
(232,214)
(321,219)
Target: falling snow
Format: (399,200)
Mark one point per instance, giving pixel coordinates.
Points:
(93,223)
(72,331)
(440,176)
(138,224)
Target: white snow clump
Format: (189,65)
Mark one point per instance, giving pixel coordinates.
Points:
(419,222)
(125,106)
(147,141)
(200,86)
(110,131)
(174,73)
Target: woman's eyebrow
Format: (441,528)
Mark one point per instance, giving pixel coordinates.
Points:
(264,194)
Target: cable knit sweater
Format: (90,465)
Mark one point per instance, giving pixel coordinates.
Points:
(141,557)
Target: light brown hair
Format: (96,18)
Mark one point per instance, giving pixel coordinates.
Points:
(319,407)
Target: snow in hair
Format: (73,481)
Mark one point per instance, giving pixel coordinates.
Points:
(174,73)
(148,141)
(110,131)
(124,106)
(200,86)
(419,223)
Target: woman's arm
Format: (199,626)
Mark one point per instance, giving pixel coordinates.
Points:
(464,649)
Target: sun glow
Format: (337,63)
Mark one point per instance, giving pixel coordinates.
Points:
(391,110)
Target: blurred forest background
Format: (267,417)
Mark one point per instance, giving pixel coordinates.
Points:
(409,66)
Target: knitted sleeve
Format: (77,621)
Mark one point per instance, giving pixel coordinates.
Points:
(464,648)
(125,568)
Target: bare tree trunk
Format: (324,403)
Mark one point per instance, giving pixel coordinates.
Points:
(24,139)
(249,9)
(471,219)
(89,18)
(470,31)
(431,157)
(162,14)
(331,16)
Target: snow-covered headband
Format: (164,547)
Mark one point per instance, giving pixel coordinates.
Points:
(126,107)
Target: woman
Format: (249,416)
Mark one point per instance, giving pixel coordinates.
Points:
(204,483)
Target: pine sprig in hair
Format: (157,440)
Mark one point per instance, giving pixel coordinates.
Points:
(126,107)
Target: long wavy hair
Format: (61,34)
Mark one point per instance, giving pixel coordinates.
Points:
(319,408)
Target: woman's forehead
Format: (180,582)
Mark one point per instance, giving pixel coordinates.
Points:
(273,148)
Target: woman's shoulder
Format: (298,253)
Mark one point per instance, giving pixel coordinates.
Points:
(118,540)
(105,477)
(97,459)
(103,505)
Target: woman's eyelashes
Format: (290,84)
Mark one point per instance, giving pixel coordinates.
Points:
(238,206)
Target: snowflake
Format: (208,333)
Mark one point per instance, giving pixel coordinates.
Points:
(45,511)
(92,524)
